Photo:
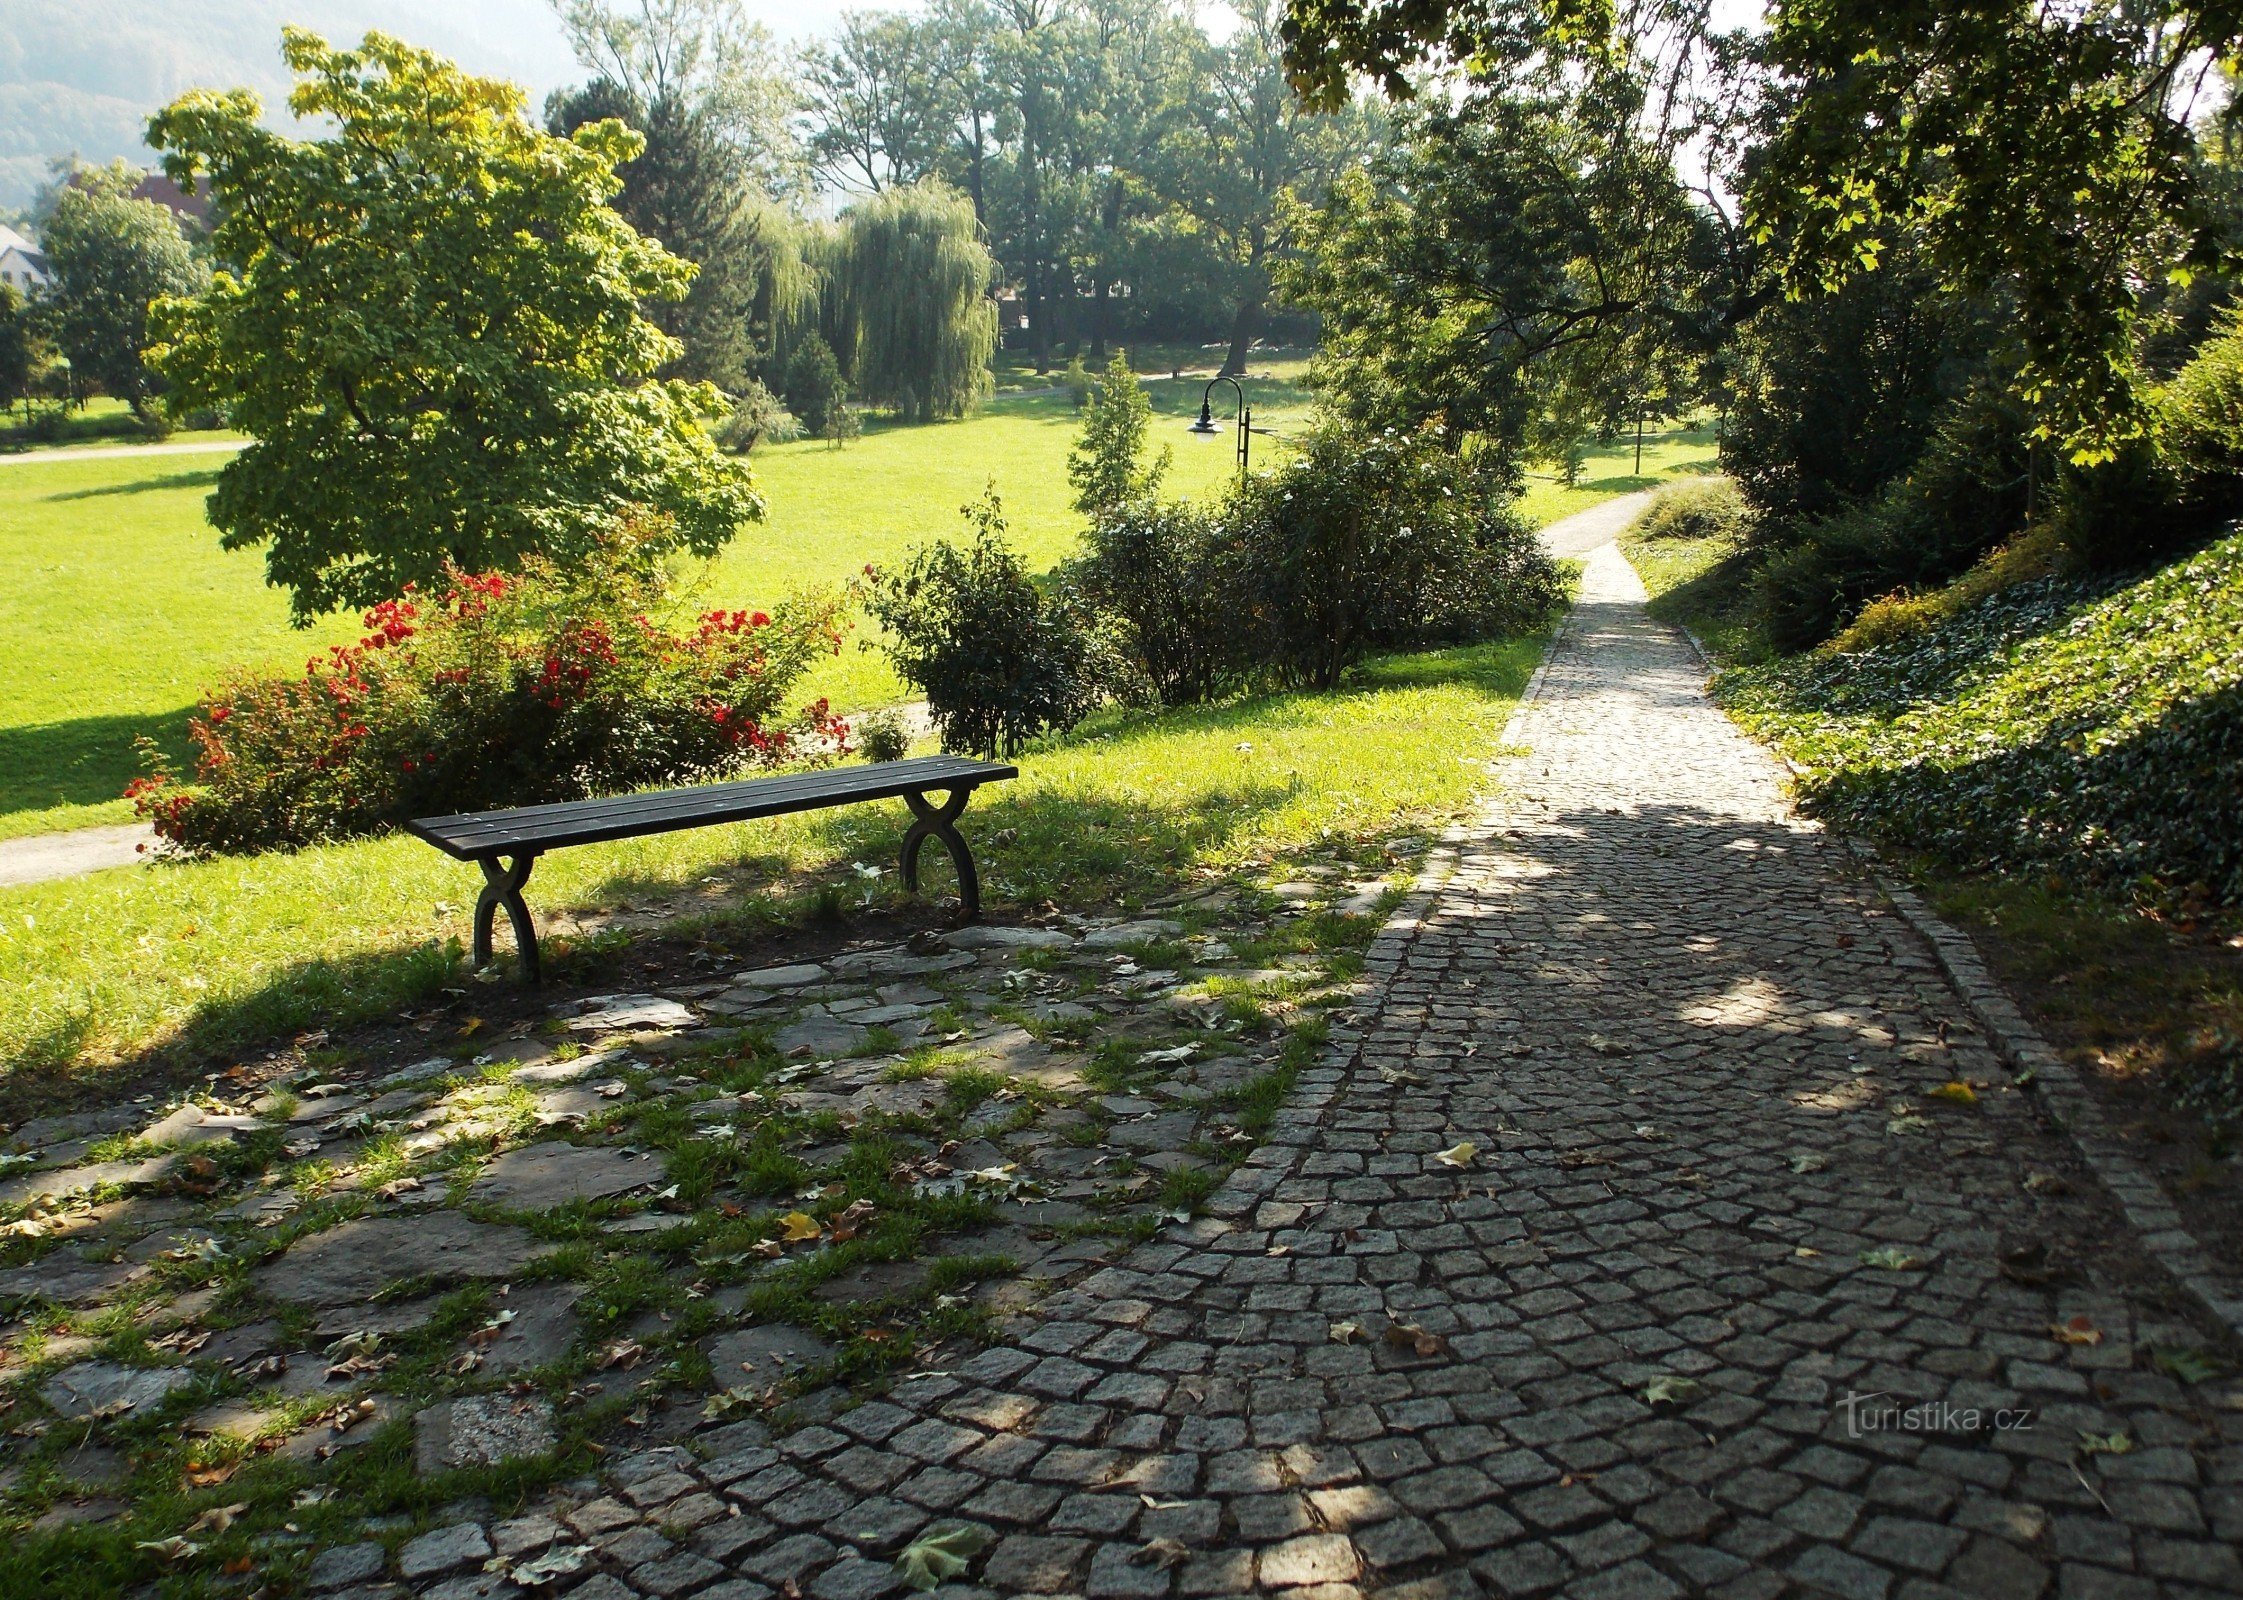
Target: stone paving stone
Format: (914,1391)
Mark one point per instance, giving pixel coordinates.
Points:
(1692,1050)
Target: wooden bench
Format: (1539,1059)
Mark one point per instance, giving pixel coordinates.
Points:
(506,844)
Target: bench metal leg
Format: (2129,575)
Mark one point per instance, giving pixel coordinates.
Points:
(929,821)
(502,886)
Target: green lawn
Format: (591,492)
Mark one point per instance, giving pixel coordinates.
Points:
(117,608)
(212,955)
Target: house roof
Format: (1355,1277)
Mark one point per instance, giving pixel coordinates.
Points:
(12,240)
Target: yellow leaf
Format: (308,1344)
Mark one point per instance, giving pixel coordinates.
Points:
(2077,1331)
(1458,1155)
(798,1226)
(1959,1092)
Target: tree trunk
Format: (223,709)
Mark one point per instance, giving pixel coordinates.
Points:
(1244,329)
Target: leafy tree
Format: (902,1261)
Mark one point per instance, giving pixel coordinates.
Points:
(1248,141)
(814,388)
(691,189)
(110,257)
(1107,465)
(913,280)
(2038,151)
(16,347)
(708,59)
(882,113)
(429,320)
(1522,267)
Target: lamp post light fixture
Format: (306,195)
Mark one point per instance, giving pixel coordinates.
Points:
(1207,428)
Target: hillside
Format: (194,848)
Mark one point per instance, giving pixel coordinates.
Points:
(82,75)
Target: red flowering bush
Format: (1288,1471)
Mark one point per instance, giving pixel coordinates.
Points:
(497,691)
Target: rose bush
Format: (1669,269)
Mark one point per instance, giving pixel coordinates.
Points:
(496,690)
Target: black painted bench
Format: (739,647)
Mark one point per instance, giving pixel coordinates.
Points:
(506,844)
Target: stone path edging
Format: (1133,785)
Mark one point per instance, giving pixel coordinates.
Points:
(2040,1067)
(2069,1102)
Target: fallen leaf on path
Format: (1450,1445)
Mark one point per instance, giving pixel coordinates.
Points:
(1892,1258)
(1346,1332)
(796,1227)
(1809,1161)
(175,1548)
(1959,1092)
(1161,1554)
(1670,1389)
(2077,1331)
(1459,1154)
(218,1518)
(562,1561)
(2104,1444)
(939,1553)
(1409,1336)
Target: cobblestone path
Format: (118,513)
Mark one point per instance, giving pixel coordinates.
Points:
(1607,1351)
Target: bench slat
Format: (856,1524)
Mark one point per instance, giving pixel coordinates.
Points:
(478,834)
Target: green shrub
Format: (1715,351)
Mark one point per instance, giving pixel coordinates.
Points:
(1702,508)
(1384,541)
(497,691)
(757,417)
(1106,466)
(882,736)
(1159,575)
(1078,382)
(844,426)
(999,660)
(813,385)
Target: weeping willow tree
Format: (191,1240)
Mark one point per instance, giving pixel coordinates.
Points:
(911,281)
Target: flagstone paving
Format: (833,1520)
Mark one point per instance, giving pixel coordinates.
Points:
(1595,1233)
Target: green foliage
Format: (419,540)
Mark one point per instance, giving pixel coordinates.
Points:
(998,660)
(1834,396)
(757,415)
(492,692)
(882,736)
(1160,574)
(913,280)
(2062,726)
(1107,465)
(1523,267)
(430,323)
(1378,541)
(813,386)
(110,257)
(844,426)
(18,349)
(1698,508)
(691,189)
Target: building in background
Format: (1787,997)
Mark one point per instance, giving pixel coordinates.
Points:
(22,267)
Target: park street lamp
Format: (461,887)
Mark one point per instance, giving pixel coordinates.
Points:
(1207,428)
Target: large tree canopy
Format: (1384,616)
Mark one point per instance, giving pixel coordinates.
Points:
(430,322)
(2040,149)
(1523,266)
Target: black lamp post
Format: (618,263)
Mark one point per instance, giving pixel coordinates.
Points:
(1206,425)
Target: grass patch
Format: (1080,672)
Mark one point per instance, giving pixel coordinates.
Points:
(117,608)
(1704,585)
(1610,469)
(202,958)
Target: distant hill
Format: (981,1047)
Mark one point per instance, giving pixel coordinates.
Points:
(81,76)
